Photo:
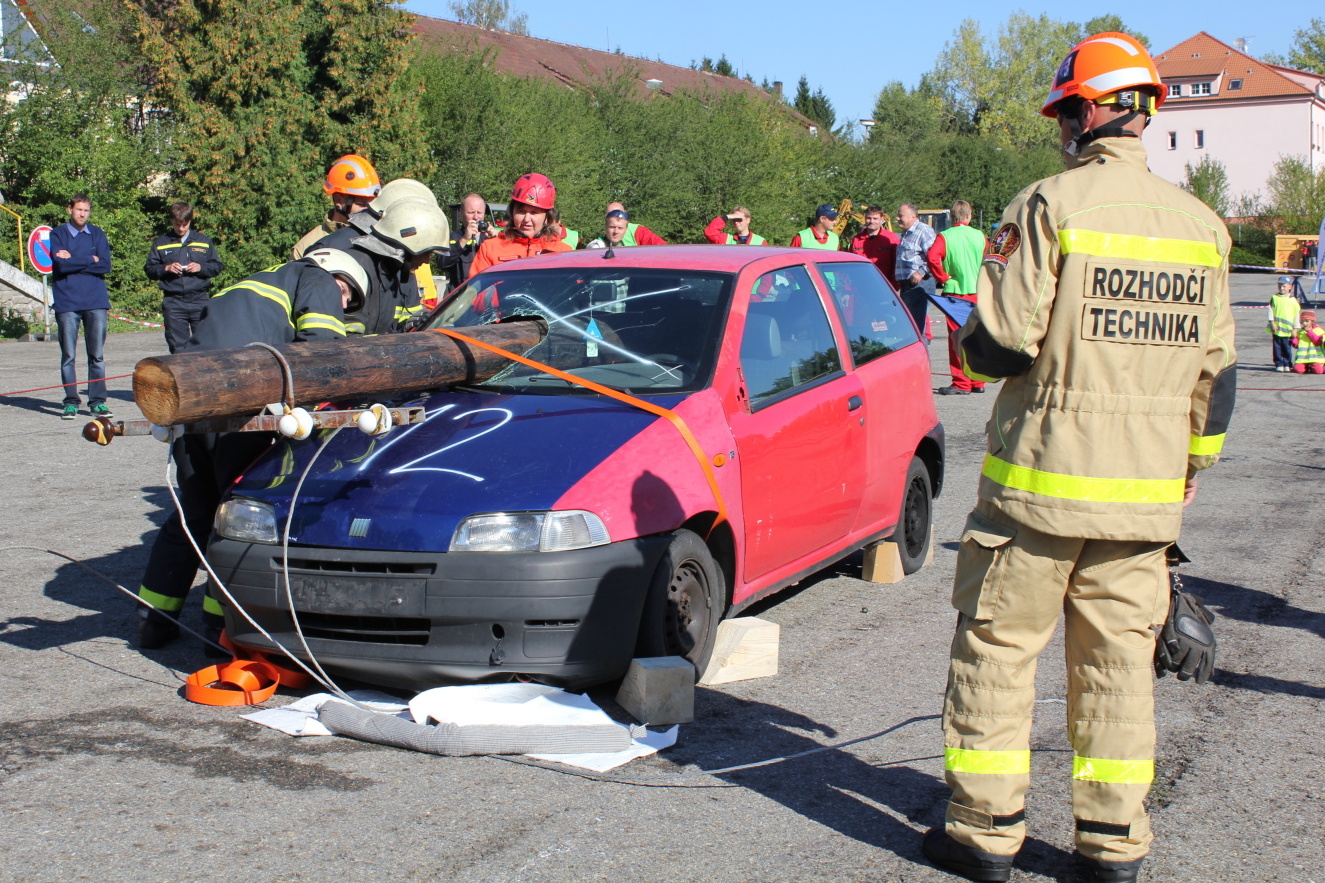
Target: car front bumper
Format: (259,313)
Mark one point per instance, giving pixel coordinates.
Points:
(417,620)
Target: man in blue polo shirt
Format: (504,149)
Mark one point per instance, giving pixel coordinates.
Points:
(81,258)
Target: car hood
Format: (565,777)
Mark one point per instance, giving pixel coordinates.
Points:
(474,452)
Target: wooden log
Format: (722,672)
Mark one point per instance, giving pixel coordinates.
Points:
(883,561)
(659,691)
(746,648)
(209,384)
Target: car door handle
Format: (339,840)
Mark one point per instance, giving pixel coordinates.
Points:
(854,402)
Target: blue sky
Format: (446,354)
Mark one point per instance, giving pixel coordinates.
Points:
(851,50)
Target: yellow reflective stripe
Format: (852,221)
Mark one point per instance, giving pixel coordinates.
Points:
(1139,248)
(160,601)
(321,320)
(211,605)
(1206,445)
(1079,487)
(1113,772)
(356,328)
(976,375)
(171,245)
(988,763)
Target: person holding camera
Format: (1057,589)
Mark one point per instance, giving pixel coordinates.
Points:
(739,218)
(464,246)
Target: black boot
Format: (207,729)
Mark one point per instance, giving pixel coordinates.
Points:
(156,629)
(1090,870)
(965,861)
(212,636)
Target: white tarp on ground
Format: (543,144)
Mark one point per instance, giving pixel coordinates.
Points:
(481,705)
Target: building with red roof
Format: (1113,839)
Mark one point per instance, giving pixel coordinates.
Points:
(1234,108)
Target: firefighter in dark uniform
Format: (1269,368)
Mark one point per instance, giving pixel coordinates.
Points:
(394,251)
(303,300)
(183,262)
(1103,304)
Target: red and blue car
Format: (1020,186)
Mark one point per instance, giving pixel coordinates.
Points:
(721,423)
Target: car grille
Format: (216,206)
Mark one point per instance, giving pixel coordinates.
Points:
(366,629)
(315,565)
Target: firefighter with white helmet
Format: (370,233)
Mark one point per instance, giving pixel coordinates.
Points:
(1103,305)
(352,183)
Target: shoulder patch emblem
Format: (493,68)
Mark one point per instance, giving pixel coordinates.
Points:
(1007,239)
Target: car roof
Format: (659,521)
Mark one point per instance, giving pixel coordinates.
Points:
(717,258)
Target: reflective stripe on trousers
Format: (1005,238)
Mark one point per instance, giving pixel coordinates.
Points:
(1112,593)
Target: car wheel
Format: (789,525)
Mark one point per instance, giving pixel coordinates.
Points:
(686,601)
(913,526)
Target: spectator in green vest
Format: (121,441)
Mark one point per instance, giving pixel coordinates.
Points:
(820,233)
(620,230)
(739,218)
(954,261)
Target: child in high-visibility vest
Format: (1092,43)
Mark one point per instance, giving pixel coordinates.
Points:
(1310,345)
(1282,324)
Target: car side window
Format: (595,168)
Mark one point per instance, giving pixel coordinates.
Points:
(876,322)
(788,343)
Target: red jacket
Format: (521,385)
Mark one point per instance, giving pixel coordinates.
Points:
(880,248)
(716,232)
(499,249)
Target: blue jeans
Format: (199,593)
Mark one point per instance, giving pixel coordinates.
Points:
(94,339)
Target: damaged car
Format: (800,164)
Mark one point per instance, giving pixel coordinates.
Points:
(700,427)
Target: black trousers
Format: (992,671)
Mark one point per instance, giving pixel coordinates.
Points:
(206,465)
(181,312)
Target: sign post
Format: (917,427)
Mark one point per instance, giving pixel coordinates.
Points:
(39,252)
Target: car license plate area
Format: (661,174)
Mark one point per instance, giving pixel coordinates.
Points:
(358,597)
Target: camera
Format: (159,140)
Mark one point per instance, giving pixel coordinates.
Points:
(483,226)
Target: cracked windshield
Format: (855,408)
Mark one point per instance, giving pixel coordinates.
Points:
(635,329)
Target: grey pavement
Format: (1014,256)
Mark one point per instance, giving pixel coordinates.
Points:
(107,773)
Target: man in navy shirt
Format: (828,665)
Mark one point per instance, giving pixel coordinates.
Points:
(81,258)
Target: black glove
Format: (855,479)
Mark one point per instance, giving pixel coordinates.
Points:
(1186,643)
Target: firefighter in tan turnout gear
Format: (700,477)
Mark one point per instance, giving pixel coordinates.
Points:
(1103,303)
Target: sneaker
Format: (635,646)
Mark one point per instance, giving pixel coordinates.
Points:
(952,391)
(977,389)
(965,861)
(69,413)
(100,410)
(1089,870)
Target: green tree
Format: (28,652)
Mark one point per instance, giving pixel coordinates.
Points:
(1296,195)
(1103,23)
(84,126)
(268,98)
(1308,53)
(724,67)
(1208,182)
(495,15)
(814,105)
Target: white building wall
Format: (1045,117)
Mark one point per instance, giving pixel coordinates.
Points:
(1247,139)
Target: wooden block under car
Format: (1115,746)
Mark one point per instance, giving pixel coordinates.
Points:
(659,691)
(883,561)
(746,648)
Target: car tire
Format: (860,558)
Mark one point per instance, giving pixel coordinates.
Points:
(914,523)
(687,599)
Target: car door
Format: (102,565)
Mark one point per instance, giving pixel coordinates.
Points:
(797,432)
(893,370)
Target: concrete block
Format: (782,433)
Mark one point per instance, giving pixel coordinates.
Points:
(746,648)
(659,691)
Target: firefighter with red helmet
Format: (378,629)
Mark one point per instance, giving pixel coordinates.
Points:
(530,231)
(1103,305)
(351,183)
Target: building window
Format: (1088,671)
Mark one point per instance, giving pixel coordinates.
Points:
(1234,85)
(1200,138)
(1173,140)
(1200,88)
(1175,90)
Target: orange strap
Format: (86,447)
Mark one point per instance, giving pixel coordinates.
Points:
(671,416)
(238,682)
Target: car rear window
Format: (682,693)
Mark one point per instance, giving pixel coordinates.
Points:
(875,320)
(642,330)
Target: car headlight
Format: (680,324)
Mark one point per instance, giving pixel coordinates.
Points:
(249,521)
(529,532)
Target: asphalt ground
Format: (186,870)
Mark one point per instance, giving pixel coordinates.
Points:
(107,773)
